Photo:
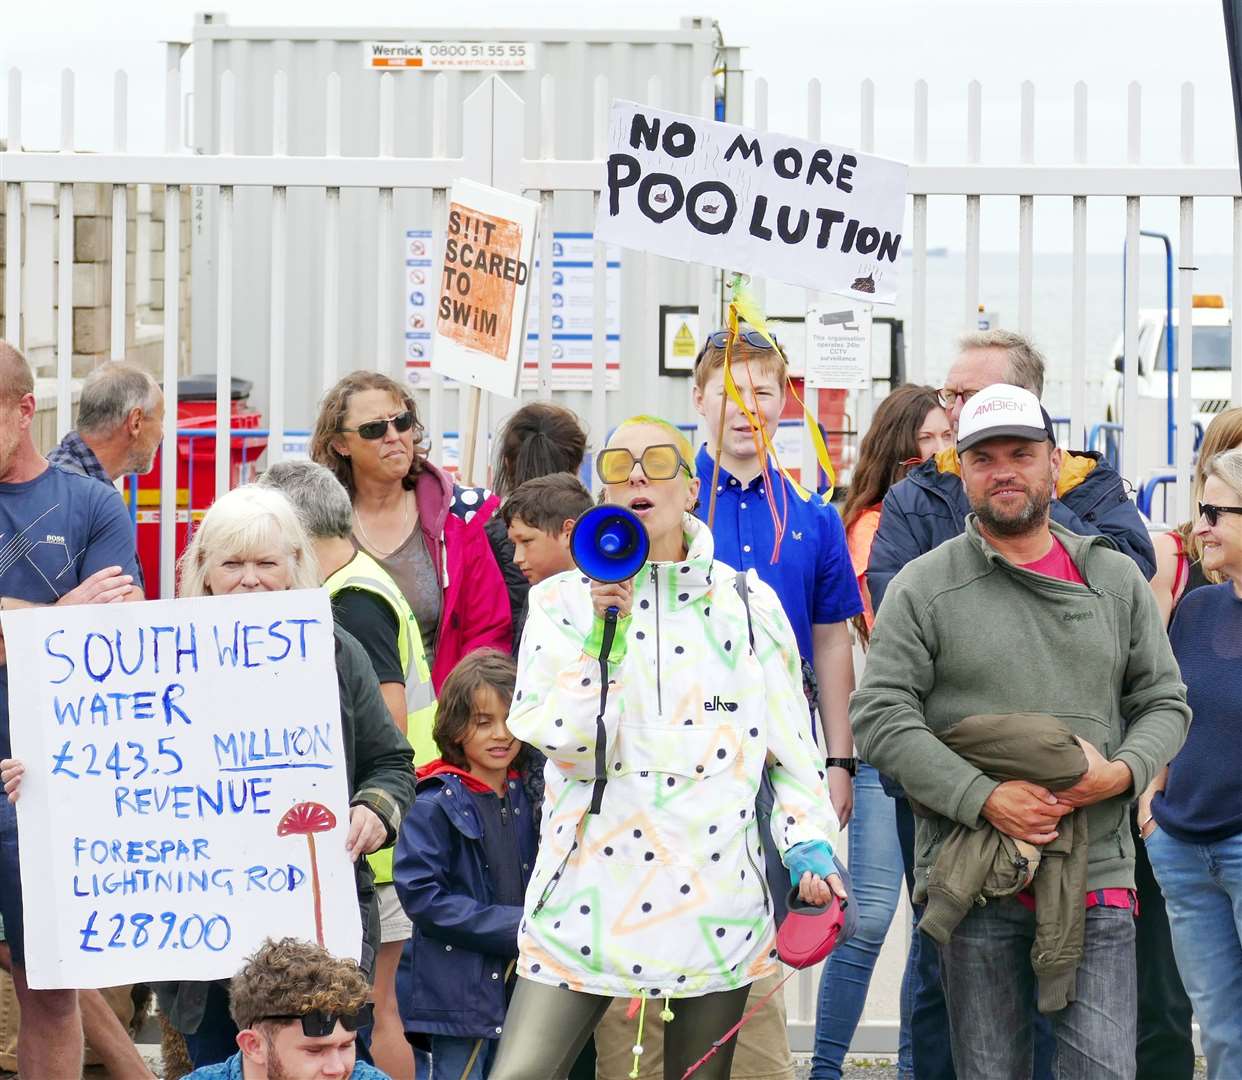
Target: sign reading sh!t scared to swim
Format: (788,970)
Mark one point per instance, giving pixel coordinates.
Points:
(484,285)
(812,214)
(185,794)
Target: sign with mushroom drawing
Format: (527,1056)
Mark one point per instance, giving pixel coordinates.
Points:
(186,794)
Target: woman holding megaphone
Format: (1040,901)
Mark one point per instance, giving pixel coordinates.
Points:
(660,698)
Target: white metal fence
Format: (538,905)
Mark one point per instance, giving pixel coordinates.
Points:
(492,122)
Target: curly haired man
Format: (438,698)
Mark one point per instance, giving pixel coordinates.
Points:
(298,1009)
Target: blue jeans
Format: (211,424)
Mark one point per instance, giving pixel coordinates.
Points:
(989,987)
(922,1000)
(875,866)
(449,1055)
(1202,886)
(11,882)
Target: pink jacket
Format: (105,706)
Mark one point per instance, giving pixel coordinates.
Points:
(475,613)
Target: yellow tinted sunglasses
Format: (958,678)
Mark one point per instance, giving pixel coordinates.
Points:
(659,462)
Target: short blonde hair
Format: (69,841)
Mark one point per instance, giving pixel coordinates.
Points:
(711,359)
(245,521)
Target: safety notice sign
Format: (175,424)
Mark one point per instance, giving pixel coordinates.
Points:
(449,55)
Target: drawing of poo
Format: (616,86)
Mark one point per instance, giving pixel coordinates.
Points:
(864,284)
(306,819)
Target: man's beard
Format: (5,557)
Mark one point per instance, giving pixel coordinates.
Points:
(1031,517)
(139,462)
(275,1067)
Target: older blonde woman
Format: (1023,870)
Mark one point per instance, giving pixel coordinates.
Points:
(252,541)
(1194,829)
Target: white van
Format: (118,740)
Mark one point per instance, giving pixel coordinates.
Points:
(1210,381)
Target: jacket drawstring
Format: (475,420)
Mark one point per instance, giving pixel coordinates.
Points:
(666,1014)
(637,1048)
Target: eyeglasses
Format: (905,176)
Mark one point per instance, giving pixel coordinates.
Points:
(948,395)
(659,462)
(377,429)
(720,338)
(1212,513)
(318,1024)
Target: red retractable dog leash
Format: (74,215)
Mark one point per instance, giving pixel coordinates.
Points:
(808,934)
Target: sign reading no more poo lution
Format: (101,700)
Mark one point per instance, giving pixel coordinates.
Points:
(812,214)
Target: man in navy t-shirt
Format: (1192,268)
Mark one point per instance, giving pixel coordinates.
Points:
(64,539)
(812,575)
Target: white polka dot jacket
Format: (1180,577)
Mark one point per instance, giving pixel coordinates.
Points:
(662,893)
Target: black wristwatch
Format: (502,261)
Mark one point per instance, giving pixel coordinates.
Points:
(849,764)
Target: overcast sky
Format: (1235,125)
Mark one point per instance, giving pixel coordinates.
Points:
(1054,43)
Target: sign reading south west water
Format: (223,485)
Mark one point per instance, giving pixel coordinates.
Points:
(185,794)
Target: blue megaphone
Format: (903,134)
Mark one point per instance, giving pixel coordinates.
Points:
(609,543)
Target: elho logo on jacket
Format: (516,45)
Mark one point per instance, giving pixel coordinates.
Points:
(717,703)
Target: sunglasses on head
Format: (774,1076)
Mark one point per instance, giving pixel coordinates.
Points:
(1212,513)
(377,429)
(718,339)
(659,462)
(318,1024)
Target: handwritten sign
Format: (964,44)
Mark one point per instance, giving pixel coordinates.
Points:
(838,344)
(186,794)
(812,214)
(484,286)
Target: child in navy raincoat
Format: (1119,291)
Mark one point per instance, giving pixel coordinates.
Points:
(463,860)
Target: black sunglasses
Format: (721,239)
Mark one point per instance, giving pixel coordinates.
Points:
(318,1024)
(377,429)
(718,339)
(1212,513)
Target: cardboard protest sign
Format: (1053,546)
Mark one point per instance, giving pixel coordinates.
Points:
(186,794)
(484,286)
(838,344)
(817,215)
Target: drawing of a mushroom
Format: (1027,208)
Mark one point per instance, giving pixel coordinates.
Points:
(306,819)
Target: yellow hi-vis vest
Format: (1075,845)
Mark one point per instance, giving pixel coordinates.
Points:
(363,572)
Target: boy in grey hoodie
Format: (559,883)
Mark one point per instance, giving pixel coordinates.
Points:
(1020,615)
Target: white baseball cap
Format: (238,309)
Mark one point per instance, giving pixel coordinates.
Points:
(1000,411)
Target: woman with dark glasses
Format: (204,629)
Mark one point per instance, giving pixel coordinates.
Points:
(424,529)
(649,879)
(1193,830)
(298,1009)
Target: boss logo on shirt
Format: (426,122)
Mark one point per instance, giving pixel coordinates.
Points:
(1078,616)
(716,704)
(50,539)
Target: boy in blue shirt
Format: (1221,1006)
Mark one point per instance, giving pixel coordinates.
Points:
(812,576)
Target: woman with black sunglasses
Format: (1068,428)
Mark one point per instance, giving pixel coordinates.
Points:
(649,880)
(426,530)
(1193,830)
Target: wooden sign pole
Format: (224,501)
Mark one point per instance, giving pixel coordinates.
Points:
(469,443)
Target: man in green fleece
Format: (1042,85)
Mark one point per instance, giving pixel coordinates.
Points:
(1018,615)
